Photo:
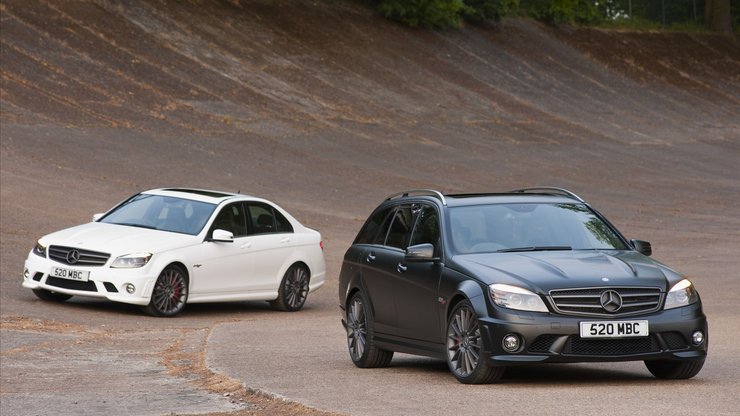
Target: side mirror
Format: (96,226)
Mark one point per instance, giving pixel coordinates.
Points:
(421,252)
(222,236)
(642,247)
(97,216)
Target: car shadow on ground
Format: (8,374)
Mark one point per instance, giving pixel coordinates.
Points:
(545,374)
(213,311)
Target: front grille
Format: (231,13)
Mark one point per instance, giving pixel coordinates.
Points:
(37,277)
(587,302)
(81,258)
(88,286)
(579,346)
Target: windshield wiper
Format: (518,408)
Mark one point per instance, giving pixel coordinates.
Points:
(132,224)
(534,248)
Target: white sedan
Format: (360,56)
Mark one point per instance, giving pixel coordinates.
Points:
(164,248)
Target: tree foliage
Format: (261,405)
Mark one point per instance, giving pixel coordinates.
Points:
(444,13)
(717,14)
(482,10)
(563,11)
(426,13)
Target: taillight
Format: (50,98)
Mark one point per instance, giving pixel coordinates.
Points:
(321,244)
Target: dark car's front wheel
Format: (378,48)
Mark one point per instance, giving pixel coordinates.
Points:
(464,348)
(170,293)
(674,370)
(362,348)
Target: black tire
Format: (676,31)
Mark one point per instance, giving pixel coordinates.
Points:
(674,370)
(360,342)
(464,348)
(293,289)
(170,292)
(50,296)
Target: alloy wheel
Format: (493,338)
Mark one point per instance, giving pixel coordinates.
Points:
(356,328)
(296,287)
(170,292)
(463,342)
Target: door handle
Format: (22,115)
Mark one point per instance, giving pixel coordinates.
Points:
(370,257)
(401,268)
(246,245)
(285,240)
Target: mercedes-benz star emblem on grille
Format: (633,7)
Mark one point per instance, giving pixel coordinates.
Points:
(611,301)
(74,256)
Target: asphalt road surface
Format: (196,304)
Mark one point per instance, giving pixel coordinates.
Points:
(102,99)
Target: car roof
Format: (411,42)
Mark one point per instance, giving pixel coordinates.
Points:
(202,195)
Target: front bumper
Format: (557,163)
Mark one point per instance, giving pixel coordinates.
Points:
(104,282)
(551,338)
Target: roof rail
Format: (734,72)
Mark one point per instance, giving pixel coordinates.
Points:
(420,192)
(549,190)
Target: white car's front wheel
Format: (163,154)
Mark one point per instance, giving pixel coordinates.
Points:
(170,292)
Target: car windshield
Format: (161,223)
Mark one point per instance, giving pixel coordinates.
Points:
(163,213)
(529,227)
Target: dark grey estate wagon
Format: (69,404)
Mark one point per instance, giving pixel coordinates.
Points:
(534,275)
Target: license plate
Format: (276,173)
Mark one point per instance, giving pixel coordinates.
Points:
(614,329)
(79,275)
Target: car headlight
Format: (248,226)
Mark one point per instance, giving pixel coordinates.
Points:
(514,297)
(131,261)
(681,294)
(39,249)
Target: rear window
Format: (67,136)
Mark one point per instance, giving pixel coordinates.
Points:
(371,231)
(267,220)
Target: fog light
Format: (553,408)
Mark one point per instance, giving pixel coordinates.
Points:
(130,288)
(511,343)
(697,337)
(26,274)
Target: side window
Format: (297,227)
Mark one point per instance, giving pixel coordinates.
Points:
(372,228)
(265,219)
(427,228)
(282,225)
(231,218)
(400,227)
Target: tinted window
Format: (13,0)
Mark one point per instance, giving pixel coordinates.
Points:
(372,228)
(427,227)
(487,228)
(231,218)
(282,225)
(400,227)
(264,219)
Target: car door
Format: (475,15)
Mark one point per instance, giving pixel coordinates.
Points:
(379,261)
(223,267)
(272,242)
(417,282)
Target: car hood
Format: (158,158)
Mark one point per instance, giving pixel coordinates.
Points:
(548,270)
(118,239)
